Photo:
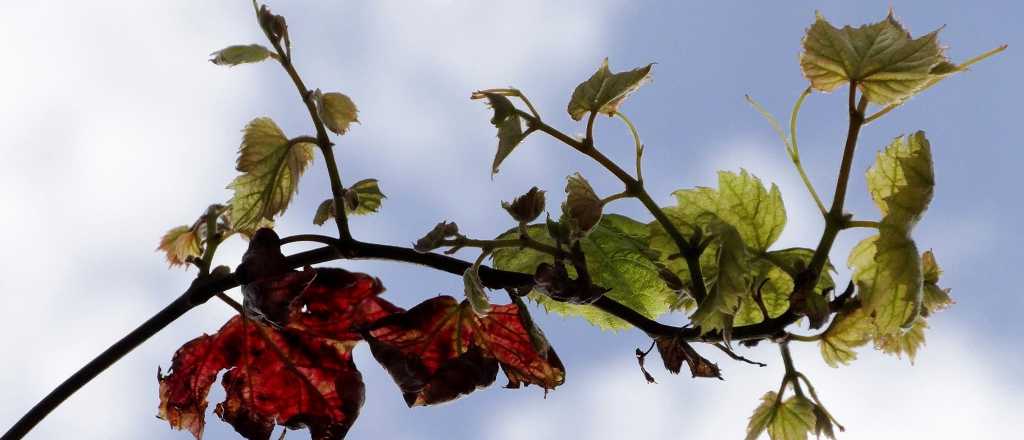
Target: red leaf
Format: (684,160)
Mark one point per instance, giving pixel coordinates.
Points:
(299,375)
(440,350)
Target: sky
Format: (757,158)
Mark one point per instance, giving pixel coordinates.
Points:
(116,128)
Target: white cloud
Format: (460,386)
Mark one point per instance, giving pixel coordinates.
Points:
(954,391)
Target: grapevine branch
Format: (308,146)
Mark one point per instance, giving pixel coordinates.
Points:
(206,287)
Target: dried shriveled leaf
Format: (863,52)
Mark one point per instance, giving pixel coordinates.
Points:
(674,351)
(179,244)
(336,110)
(885,61)
(298,373)
(241,54)
(270,170)
(440,350)
(605,91)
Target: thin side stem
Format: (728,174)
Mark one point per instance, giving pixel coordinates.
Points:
(636,141)
(322,140)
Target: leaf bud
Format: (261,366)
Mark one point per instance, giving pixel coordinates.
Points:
(527,207)
(582,207)
(435,238)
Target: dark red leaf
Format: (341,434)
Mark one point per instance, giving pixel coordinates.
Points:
(299,374)
(440,350)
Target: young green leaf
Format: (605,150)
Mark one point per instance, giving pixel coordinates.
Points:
(732,284)
(605,91)
(882,58)
(793,420)
(618,258)
(337,111)
(902,180)
(757,213)
(271,167)
(362,198)
(235,55)
(763,415)
(179,244)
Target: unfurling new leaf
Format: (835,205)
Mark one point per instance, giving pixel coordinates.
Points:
(582,207)
(789,420)
(362,198)
(605,91)
(336,110)
(527,207)
(509,124)
(270,167)
(180,244)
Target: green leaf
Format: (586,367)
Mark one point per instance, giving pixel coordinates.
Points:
(887,271)
(775,290)
(605,91)
(235,55)
(618,258)
(850,329)
(902,180)
(757,213)
(886,62)
(270,170)
(336,110)
(795,260)
(730,286)
(178,244)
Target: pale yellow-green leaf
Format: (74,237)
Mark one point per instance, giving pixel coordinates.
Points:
(618,258)
(178,244)
(756,212)
(369,196)
(776,285)
(793,420)
(887,271)
(324,212)
(902,180)
(270,170)
(337,111)
(475,293)
(885,61)
(850,329)
(935,298)
(241,54)
(605,91)
(762,415)
(904,342)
